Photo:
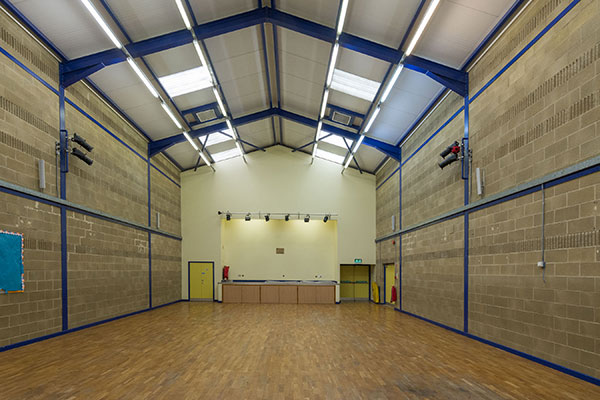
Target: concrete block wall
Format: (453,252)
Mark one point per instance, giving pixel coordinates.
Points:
(107,263)
(538,117)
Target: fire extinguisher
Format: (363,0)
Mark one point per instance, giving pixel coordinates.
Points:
(226,273)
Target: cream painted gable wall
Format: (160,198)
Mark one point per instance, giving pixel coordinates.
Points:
(276,181)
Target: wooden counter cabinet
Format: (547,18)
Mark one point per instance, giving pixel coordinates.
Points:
(278,294)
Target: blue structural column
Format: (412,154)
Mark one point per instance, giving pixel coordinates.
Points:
(64,168)
(400,236)
(466,176)
(149,239)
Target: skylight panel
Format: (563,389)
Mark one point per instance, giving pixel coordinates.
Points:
(354,85)
(330,156)
(334,140)
(225,155)
(216,138)
(185,82)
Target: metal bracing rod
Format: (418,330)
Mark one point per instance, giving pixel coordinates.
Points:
(352,155)
(311,142)
(244,141)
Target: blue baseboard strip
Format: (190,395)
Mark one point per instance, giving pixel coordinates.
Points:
(527,356)
(79,328)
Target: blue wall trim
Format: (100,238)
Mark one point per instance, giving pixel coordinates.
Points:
(527,356)
(79,328)
(70,102)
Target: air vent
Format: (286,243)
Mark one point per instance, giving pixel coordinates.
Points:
(207,115)
(340,118)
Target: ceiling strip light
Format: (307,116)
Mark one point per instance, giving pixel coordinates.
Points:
(204,158)
(142,77)
(189,139)
(324,104)
(221,105)
(237,144)
(334,55)
(421,28)
(92,10)
(170,114)
(342,17)
(372,119)
(184,15)
(391,83)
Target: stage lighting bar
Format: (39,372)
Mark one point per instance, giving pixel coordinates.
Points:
(247,216)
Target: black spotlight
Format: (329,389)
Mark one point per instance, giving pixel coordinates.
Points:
(81,141)
(267,217)
(228,216)
(453,150)
(307,218)
(287,217)
(326,218)
(247,217)
(82,156)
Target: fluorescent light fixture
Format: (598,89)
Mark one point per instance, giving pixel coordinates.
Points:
(391,83)
(358,143)
(324,103)
(187,81)
(334,140)
(348,161)
(229,125)
(239,148)
(189,139)
(317,142)
(204,158)
(342,17)
(92,10)
(221,105)
(326,155)
(216,138)
(184,15)
(334,55)
(372,119)
(170,113)
(227,154)
(142,77)
(200,53)
(421,27)
(354,85)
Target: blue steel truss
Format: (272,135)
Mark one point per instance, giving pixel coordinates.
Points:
(449,77)
(158,146)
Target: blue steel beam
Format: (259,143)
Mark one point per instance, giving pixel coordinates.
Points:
(163,144)
(256,17)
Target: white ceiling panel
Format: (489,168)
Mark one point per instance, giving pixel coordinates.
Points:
(248,104)
(68,24)
(362,65)
(184,154)
(143,19)
(457,28)
(323,12)
(173,60)
(349,102)
(153,120)
(195,99)
(368,158)
(385,23)
(258,133)
(303,46)
(303,68)
(296,135)
(206,11)
(234,44)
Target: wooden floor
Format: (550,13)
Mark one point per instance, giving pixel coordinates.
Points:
(264,351)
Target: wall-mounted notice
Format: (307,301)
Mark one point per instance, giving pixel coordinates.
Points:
(11,262)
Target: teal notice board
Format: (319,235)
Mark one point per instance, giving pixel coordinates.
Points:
(11,262)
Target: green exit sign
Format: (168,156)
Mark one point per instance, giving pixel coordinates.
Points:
(358,261)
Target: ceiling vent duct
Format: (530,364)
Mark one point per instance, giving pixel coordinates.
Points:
(340,118)
(208,115)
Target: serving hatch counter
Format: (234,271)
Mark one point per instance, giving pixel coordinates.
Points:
(279,292)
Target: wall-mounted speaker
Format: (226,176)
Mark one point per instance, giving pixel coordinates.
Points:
(42,173)
(479,178)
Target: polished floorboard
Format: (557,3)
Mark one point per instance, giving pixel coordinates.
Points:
(275,351)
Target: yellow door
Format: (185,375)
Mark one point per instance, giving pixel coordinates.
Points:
(346,282)
(201,280)
(389,282)
(361,282)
